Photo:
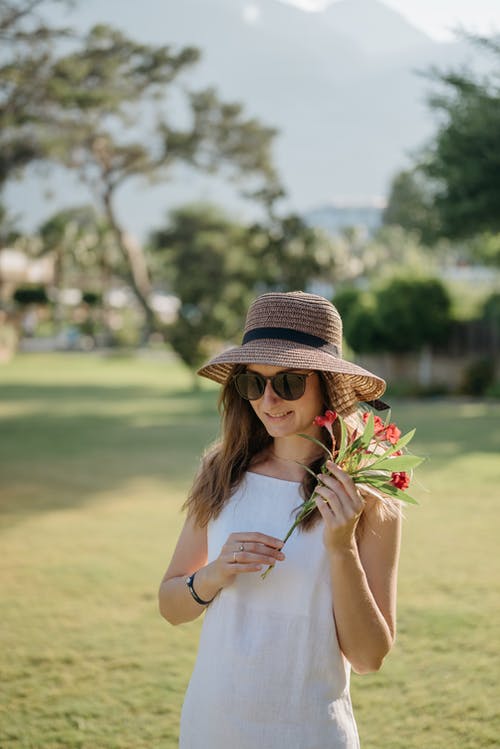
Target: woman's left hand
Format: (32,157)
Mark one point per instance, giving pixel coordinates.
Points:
(340,505)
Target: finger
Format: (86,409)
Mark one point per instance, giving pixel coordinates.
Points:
(246,557)
(255,537)
(330,488)
(237,569)
(262,538)
(325,493)
(336,480)
(330,482)
(325,510)
(344,506)
(341,476)
(346,490)
(256,548)
(331,503)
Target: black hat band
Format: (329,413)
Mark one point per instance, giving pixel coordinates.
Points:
(289,334)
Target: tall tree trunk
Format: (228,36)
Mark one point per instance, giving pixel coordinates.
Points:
(138,275)
(58,284)
(104,307)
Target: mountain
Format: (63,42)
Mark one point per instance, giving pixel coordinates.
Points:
(341,86)
(376,29)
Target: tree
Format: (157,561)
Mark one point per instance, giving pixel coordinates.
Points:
(463,162)
(25,74)
(485,248)
(84,250)
(410,205)
(100,86)
(203,255)
(290,255)
(491,308)
(94,116)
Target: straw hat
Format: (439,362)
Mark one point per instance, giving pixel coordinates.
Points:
(300,331)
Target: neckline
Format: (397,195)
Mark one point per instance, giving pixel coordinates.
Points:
(273,478)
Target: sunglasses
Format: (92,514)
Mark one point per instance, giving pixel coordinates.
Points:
(288,385)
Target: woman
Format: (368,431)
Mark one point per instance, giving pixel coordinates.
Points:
(275,653)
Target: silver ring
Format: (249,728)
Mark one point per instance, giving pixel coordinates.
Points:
(234,557)
(242,548)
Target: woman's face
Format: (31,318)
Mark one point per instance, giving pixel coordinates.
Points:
(281,417)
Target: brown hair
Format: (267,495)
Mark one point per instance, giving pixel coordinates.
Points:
(243,438)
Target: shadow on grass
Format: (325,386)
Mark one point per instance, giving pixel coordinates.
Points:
(46,393)
(60,446)
(446,426)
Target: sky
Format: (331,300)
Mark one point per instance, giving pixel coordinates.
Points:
(31,198)
(437,18)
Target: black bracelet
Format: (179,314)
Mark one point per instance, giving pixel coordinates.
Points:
(189,583)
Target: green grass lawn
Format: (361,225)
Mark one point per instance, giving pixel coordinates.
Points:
(96,457)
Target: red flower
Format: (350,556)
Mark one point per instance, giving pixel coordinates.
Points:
(389,433)
(392,433)
(400,480)
(377,421)
(326,420)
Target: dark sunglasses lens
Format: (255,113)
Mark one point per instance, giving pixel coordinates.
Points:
(250,385)
(289,386)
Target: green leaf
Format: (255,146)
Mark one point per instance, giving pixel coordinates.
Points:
(397,446)
(393,491)
(399,463)
(386,488)
(343,440)
(403,441)
(317,442)
(309,470)
(368,433)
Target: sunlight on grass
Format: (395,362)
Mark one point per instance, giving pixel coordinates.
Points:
(97,456)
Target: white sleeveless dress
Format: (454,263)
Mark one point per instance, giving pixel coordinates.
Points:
(269,672)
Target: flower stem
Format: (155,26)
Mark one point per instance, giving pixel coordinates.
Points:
(306,510)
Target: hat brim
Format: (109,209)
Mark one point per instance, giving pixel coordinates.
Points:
(356,383)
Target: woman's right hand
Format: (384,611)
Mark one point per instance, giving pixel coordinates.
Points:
(244,552)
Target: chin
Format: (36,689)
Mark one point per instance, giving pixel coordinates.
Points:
(282,430)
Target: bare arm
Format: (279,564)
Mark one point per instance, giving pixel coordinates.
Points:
(364,575)
(175,601)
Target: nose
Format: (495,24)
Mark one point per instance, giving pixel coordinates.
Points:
(269,395)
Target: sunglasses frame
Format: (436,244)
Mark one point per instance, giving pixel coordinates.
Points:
(271,379)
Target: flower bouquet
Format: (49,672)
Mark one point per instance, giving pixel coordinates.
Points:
(375,458)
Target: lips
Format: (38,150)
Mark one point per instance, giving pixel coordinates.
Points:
(277,416)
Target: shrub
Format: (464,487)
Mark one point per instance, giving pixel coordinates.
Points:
(478,377)
(346,300)
(25,295)
(92,298)
(412,313)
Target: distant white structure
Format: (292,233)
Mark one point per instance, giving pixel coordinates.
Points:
(17,268)
(336,217)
